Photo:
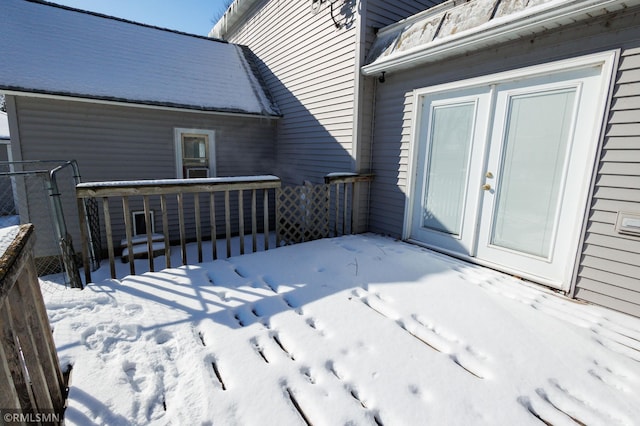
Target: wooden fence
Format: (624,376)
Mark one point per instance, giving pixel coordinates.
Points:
(233,207)
(30,376)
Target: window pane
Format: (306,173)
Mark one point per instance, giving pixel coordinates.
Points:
(533,168)
(194,149)
(447,167)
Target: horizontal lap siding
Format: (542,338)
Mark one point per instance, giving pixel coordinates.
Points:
(309,66)
(125,143)
(609,272)
(128,143)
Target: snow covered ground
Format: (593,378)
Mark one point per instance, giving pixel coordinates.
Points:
(352,330)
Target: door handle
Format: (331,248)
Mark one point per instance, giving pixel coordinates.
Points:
(486,187)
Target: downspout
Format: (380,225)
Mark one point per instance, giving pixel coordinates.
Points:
(356,152)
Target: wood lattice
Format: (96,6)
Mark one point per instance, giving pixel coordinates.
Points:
(302,213)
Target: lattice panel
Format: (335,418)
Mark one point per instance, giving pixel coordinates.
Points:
(93,221)
(302,213)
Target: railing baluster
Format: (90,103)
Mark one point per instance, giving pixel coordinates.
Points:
(227,218)
(196,207)
(147,223)
(335,231)
(265,218)
(279,224)
(183,243)
(353,194)
(109,232)
(241,219)
(344,206)
(212,219)
(254,224)
(128,231)
(165,230)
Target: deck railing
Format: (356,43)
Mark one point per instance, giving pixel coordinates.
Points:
(30,376)
(296,214)
(241,189)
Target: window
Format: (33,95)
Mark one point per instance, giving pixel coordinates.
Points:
(195,153)
(139,224)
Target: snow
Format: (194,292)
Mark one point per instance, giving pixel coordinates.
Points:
(351,330)
(452,21)
(161,182)
(7,236)
(53,50)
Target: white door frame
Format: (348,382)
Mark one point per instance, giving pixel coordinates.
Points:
(605,60)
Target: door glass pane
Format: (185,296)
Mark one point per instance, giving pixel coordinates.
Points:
(532,172)
(447,167)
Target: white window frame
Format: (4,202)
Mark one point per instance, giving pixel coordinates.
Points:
(178,132)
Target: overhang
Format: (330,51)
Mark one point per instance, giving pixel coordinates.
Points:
(458,27)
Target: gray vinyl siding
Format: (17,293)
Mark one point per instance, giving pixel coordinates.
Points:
(6,192)
(378,14)
(112,142)
(126,143)
(309,67)
(608,270)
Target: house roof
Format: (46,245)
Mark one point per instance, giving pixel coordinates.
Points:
(463,26)
(4,126)
(58,50)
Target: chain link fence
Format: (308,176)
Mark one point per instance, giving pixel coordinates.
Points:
(43,193)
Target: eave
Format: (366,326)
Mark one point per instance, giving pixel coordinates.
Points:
(525,23)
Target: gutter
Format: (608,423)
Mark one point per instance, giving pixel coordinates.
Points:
(234,13)
(506,28)
(16,91)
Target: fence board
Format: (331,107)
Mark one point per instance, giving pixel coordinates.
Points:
(30,376)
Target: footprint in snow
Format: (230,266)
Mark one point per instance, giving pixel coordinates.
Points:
(104,336)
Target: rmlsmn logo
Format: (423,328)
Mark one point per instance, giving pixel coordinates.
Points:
(30,417)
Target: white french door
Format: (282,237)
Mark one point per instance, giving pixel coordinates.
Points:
(450,156)
(502,170)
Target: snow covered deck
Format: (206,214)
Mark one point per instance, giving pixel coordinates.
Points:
(352,330)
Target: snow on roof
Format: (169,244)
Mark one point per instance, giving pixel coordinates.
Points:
(354,330)
(461,26)
(4,126)
(58,50)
